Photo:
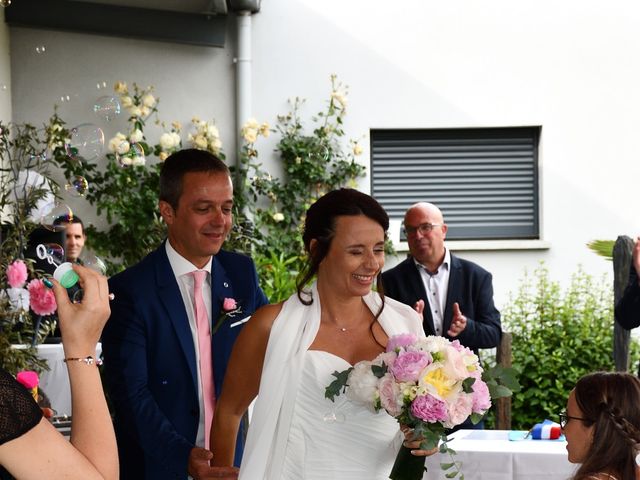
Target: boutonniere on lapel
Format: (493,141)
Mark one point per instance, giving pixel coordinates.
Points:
(230,309)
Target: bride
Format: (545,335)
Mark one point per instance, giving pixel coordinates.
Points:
(287,352)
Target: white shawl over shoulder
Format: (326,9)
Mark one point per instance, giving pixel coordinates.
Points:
(293,331)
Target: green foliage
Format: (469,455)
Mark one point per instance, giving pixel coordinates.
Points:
(604,248)
(277,275)
(23,150)
(501,381)
(313,164)
(558,336)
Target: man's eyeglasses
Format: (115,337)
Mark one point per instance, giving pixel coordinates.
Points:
(423,228)
(564,418)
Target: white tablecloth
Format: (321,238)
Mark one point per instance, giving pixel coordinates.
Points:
(55,382)
(489,455)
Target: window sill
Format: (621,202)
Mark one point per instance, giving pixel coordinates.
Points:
(480,245)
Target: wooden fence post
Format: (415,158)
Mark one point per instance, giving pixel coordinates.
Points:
(622,251)
(503,405)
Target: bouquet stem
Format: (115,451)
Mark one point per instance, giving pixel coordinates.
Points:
(407,466)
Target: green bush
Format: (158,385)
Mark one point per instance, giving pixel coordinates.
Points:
(558,336)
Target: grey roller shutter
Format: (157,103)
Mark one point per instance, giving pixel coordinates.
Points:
(484,180)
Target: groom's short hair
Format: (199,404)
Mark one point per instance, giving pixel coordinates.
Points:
(185,161)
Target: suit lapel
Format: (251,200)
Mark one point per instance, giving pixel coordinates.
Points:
(171,299)
(417,285)
(453,291)
(221,288)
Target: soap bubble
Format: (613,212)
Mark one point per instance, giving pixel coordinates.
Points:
(107,107)
(90,260)
(65,98)
(77,186)
(51,252)
(85,141)
(5,3)
(54,216)
(101,85)
(322,154)
(41,49)
(3,87)
(132,157)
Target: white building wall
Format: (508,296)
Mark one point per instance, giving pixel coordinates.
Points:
(571,67)
(5,71)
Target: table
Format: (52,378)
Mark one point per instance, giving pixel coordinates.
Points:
(489,455)
(55,382)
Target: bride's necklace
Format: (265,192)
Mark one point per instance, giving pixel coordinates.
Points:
(342,328)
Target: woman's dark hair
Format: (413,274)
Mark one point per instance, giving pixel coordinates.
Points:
(181,162)
(320,224)
(610,401)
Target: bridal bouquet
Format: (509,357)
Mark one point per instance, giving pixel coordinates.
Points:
(428,384)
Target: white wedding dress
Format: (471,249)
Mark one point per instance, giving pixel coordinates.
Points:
(297,434)
(340,440)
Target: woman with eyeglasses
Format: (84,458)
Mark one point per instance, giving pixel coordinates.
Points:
(602,426)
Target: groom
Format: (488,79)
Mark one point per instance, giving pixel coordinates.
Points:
(161,353)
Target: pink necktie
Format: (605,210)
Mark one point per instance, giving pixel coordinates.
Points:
(204,347)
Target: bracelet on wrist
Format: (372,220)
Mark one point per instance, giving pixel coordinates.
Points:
(87,360)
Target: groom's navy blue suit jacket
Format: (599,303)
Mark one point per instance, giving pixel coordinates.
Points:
(150,360)
(469,285)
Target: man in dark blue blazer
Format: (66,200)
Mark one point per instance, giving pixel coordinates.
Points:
(454,295)
(150,345)
(627,311)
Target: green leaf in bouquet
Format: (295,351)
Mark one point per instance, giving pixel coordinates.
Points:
(476,418)
(502,382)
(467,384)
(446,466)
(338,385)
(379,371)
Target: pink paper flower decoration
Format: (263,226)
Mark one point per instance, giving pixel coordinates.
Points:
(42,299)
(28,379)
(17,274)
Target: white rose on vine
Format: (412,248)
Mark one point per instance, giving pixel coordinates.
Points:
(123,147)
(136,136)
(148,100)
(167,141)
(116,141)
(135,111)
(126,101)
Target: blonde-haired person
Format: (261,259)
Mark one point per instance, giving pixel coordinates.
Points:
(602,426)
(30,447)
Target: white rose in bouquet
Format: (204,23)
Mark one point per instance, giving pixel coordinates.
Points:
(363,385)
